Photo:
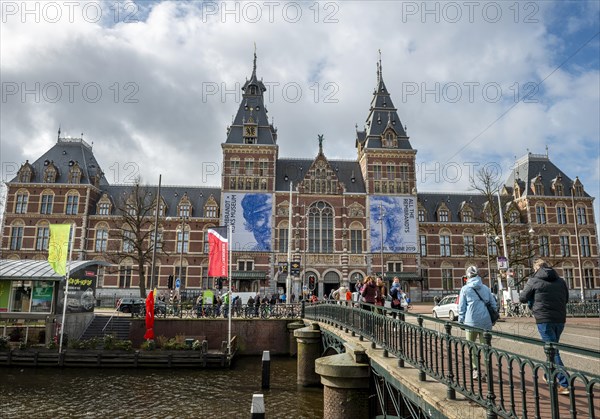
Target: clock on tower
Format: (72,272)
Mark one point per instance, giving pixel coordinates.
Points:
(250,131)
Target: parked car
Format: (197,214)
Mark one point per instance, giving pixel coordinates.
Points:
(131,305)
(447,307)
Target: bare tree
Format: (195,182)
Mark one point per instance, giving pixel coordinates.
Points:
(518,234)
(136,231)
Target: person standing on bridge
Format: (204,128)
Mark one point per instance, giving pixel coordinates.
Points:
(549,294)
(369,292)
(472,311)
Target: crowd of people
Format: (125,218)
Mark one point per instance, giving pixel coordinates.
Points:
(374,292)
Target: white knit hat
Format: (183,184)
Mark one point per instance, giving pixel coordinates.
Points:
(472,271)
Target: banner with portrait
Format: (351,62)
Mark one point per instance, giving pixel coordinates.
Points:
(250,216)
(393,224)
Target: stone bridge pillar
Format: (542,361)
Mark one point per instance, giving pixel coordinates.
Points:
(292,327)
(309,349)
(346,381)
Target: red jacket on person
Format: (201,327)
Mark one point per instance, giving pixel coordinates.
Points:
(369,293)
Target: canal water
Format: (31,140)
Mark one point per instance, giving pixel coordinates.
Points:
(168,394)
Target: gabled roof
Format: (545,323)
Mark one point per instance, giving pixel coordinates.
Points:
(198,196)
(294,170)
(528,167)
(63,155)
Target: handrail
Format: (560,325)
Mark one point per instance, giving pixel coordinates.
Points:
(515,385)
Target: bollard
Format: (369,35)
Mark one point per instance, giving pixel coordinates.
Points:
(257,411)
(266,370)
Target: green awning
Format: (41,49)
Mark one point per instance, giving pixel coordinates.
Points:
(249,275)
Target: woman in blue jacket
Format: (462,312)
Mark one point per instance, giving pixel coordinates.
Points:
(472,311)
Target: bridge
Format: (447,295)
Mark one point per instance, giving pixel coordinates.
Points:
(421,367)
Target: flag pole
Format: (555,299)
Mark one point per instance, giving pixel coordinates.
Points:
(288,279)
(229,243)
(62,324)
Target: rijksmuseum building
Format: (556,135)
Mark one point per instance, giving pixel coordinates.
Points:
(349,218)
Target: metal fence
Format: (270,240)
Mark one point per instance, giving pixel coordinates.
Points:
(507,384)
(584,309)
(197,311)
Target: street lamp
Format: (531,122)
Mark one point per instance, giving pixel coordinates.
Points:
(487,252)
(577,244)
(288,278)
(381,211)
(184,218)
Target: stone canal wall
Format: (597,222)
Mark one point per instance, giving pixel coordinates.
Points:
(253,336)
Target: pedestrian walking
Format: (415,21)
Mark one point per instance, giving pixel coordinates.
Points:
(397,295)
(549,294)
(382,292)
(369,292)
(472,311)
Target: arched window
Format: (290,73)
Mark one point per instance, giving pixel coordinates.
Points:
(320,228)
(42,236)
(72,205)
(21,202)
(540,214)
(46,202)
(183,239)
(282,237)
(101,237)
(16,235)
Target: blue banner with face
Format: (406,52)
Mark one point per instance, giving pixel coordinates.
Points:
(250,217)
(393,224)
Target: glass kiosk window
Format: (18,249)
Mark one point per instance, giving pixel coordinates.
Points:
(21,298)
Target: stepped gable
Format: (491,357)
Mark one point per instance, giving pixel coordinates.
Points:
(347,171)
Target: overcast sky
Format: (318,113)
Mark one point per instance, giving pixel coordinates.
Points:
(154,85)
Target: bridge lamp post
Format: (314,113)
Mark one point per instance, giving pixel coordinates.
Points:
(381,213)
(578,244)
(184,218)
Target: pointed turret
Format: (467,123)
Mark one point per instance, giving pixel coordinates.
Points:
(251,124)
(383,127)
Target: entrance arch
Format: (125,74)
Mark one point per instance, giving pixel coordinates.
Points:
(331,281)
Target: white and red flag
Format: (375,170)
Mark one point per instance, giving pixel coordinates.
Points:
(218,257)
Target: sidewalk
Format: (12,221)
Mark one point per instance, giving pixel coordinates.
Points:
(586,322)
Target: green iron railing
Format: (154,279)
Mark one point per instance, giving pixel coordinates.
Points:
(514,386)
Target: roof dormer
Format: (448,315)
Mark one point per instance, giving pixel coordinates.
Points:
(74,172)
(25,173)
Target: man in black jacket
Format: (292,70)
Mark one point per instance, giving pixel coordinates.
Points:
(549,294)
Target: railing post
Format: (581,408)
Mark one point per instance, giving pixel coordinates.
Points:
(362,322)
(385,334)
(302,309)
(373,326)
(490,397)
(550,353)
(353,308)
(450,391)
(400,331)
(421,349)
